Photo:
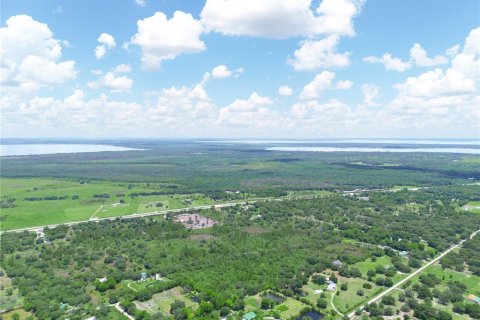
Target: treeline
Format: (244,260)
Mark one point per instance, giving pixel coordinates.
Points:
(246,168)
(8,203)
(46,198)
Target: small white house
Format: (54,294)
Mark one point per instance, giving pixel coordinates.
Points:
(318,291)
(332,286)
(403,254)
(104,279)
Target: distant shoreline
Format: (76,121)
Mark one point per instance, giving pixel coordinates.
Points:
(11,150)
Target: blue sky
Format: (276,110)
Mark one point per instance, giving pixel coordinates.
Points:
(346,68)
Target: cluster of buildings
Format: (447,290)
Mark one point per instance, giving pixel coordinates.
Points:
(194,221)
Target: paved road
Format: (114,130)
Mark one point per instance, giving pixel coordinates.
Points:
(156,213)
(131,216)
(410,276)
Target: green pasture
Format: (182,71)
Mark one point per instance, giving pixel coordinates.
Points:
(80,203)
(347,300)
(368,264)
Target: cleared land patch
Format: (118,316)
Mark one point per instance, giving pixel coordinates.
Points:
(162,301)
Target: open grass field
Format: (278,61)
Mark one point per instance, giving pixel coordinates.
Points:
(368,264)
(252,303)
(21,313)
(140,285)
(472,206)
(78,201)
(114,314)
(82,201)
(294,308)
(349,299)
(287,309)
(309,290)
(315,193)
(162,301)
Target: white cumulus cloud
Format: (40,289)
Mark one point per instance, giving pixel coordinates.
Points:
(106,42)
(315,54)
(343,84)
(390,62)
(285,91)
(444,98)
(317,86)
(113,81)
(219,72)
(280,18)
(30,55)
(252,112)
(370,92)
(419,57)
(162,39)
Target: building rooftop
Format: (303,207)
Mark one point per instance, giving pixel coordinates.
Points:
(250,315)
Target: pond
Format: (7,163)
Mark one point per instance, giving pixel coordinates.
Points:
(274,297)
(312,315)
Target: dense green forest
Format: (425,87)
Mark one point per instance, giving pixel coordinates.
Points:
(187,167)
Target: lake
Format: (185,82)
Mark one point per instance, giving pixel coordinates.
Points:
(37,149)
(377,149)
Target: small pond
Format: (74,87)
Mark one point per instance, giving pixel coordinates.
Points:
(274,297)
(312,315)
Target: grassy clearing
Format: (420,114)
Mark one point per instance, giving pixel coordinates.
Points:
(82,202)
(368,264)
(23,314)
(472,206)
(294,308)
(287,309)
(114,314)
(316,193)
(252,303)
(471,160)
(313,298)
(349,299)
(140,285)
(162,301)
(403,187)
